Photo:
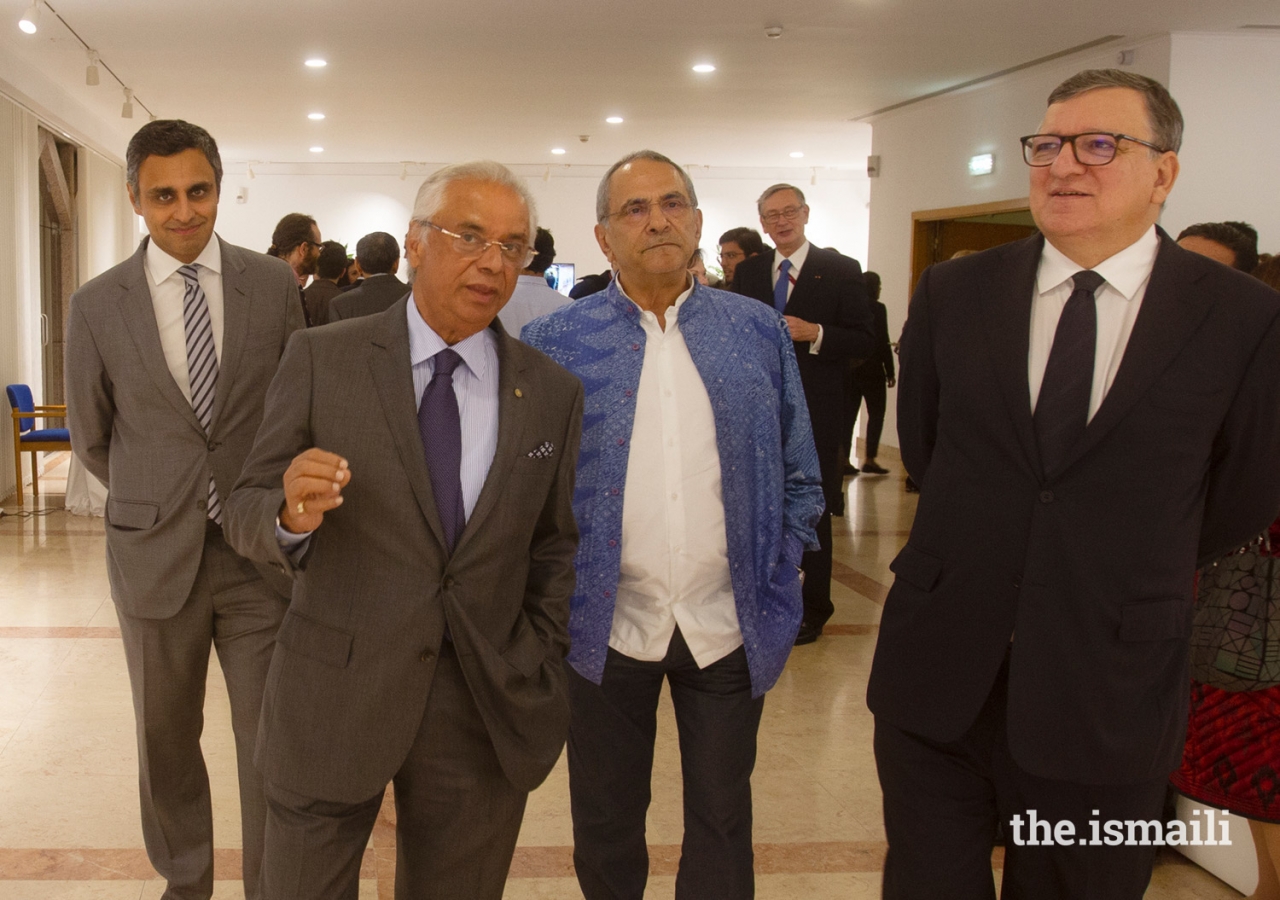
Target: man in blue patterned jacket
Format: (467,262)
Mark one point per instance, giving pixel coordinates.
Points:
(698,489)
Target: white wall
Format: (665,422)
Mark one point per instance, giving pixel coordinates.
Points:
(108,232)
(924,151)
(19,266)
(1228,86)
(350,201)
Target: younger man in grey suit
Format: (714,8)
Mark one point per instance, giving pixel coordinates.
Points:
(420,484)
(169,355)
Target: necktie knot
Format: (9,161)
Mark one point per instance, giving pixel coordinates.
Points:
(189,273)
(446,361)
(1087,280)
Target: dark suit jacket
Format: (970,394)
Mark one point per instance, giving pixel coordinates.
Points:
(1090,567)
(376,587)
(829,292)
(133,429)
(375,293)
(880,366)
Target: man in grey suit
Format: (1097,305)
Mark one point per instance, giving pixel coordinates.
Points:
(169,356)
(415,470)
(378,256)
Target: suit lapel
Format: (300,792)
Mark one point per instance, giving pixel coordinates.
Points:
(1171,311)
(235,324)
(514,393)
(139,313)
(393,379)
(1006,303)
(807,282)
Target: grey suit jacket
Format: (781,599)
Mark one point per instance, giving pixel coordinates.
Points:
(376,587)
(135,431)
(373,295)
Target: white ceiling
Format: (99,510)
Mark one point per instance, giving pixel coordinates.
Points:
(511,79)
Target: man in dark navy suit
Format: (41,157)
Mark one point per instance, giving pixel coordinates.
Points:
(821,294)
(1089,414)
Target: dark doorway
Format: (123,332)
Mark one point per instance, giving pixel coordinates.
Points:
(938,234)
(58,251)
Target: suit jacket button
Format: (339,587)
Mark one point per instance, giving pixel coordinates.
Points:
(449,583)
(1017,581)
(202,505)
(1046,496)
(426,655)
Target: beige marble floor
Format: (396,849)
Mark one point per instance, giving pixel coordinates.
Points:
(69,814)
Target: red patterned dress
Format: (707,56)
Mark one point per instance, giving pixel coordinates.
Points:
(1232,756)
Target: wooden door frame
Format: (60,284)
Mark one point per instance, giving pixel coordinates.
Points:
(921,219)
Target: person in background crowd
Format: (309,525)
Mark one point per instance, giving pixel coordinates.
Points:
(591,284)
(296,240)
(169,356)
(533,297)
(1232,755)
(822,296)
(697,489)
(869,381)
(1090,413)
(698,268)
(330,268)
(1233,244)
(352,276)
(378,256)
(738,244)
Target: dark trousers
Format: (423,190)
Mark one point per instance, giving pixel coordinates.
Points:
(942,800)
(457,815)
(826,421)
(611,737)
(869,387)
(233,609)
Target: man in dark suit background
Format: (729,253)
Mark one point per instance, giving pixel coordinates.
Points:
(415,471)
(378,256)
(1089,414)
(869,381)
(821,294)
(169,356)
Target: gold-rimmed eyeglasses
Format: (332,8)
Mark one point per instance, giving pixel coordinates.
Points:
(470,245)
(638,212)
(788,213)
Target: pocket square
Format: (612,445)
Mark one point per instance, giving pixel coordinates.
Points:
(542,451)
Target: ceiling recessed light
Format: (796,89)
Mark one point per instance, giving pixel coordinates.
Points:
(317,149)
(796,154)
(315,117)
(558,151)
(614,120)
(317,63)
(704,67)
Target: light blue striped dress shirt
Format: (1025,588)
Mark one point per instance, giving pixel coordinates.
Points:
(475,383)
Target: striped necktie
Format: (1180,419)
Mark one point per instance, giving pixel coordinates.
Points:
(202,364)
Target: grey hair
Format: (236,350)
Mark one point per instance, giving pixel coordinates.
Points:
(431,195)
(1162,110)
(602,192)
(773,189)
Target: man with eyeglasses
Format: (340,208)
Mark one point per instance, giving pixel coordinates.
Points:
(1090,414)
(697,489)
(823,298)
(415,474)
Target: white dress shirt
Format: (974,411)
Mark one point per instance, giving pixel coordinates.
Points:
(1118,302)
(531,299)
(168,288)
(675,555)
(797,263)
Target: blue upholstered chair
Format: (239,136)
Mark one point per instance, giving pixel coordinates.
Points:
(26,437)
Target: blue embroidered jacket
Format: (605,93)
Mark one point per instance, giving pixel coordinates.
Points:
(768,466)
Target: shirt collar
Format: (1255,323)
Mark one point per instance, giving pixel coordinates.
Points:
(679,300)
(160,265)
(424,343)
(797,258)
(1125,271)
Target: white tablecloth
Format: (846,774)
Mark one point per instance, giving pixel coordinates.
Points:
(86,495)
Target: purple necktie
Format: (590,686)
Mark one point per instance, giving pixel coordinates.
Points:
(441,428)
(1062,409)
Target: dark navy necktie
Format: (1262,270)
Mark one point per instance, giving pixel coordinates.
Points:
(1062,409)
(441,428)
(780,289)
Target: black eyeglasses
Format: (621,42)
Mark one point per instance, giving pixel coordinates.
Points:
(1095,148)
(777,215)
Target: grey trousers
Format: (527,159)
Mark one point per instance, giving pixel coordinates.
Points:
(233,609)
(457,815)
